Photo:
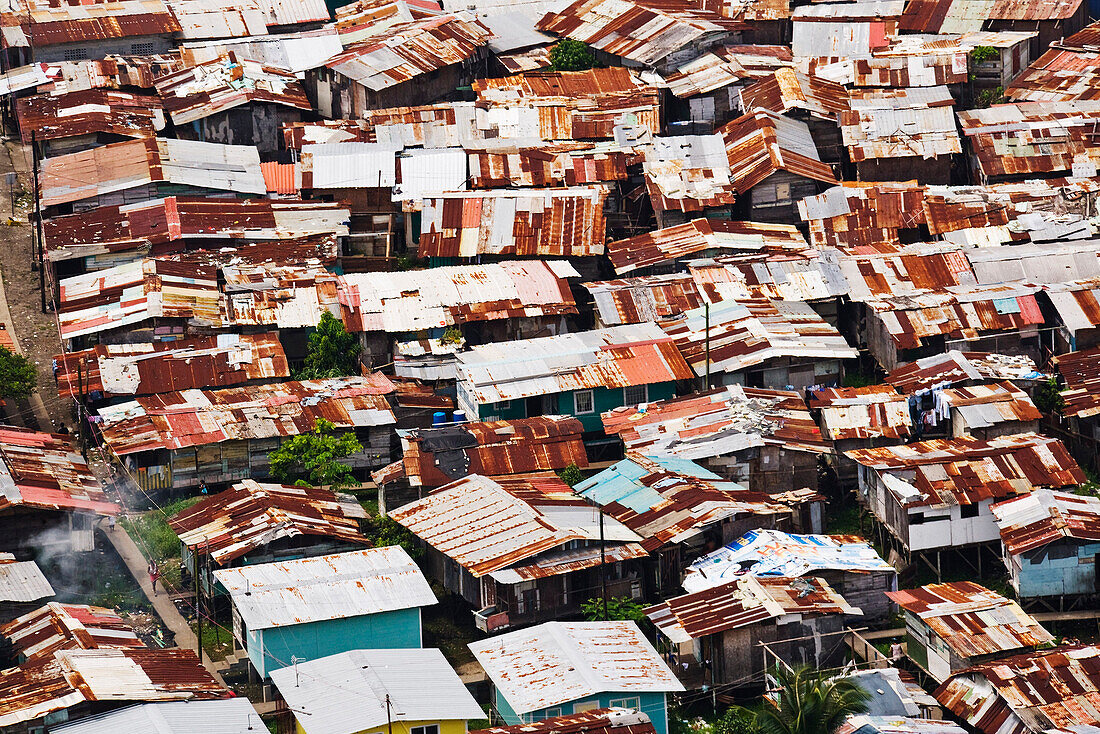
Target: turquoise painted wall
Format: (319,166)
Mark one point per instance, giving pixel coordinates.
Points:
(270,649)
(1073,574)
(603,399)
(651,704)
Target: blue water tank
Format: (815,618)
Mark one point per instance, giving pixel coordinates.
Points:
(439,418)
(460,416)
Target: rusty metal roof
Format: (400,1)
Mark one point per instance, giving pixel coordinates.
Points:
(1064,73)
(558,662)
(436,456)
(1034,137)
(250,515)
(643,31)
(953,366)
(595,721)
(649,298)
(900,123)
(983,406)
(855,214)
(688,173)
(1048,690)
(290,296)
(895,67)
(786,89)
(22,581)
(720,68)
(44,471)
(1043,517)
(489,526)
(42,632)
(718,423)
(1081,372)
(89,112)
(876,411)
(760,143)
(906,271)
(972,620)
(323,588)
(522,223)
(667,500)
(744,602)
(549,165)
(111,72)
(962,16)
(178,420)
(45,23)
(968,470)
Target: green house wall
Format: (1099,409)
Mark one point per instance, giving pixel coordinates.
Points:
(603,399)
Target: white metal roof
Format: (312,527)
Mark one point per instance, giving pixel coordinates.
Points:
(346,693)
(326,587)
(221,716)
(351,165)
(22,580)
(558,662)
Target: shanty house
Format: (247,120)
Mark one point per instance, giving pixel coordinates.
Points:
(1053,21)
(859,417)
(1051,541)
(522,549)
(955,368)
(22,587)
(935,495)
(74,121)
(847,563)
(988,411)
(736,629)
(309,608)
(810,99)
(951,627)
(1047,690)
(580,375)
(559,668)
(375,690)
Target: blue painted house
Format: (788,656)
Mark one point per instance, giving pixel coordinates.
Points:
(310,608)
(580,375)
(1050,541)
(561,668)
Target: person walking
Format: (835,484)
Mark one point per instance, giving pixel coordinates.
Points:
(154,574)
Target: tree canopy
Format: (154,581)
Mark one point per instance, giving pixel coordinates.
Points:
(314,457)
(331,351)
(17,375)
(571,55)
(810,702)
(618,607)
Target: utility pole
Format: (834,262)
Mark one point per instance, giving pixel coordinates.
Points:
(198,610)
(706,307)
(389,718)
(40,259)
(603,566)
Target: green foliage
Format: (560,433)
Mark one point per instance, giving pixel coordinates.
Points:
(151,532)
(618,608)
(314,457)
(451,335)
(571,475)
(855,379)
(17,375)
(1048,396)
(331,351)
(981,54)
(571,55)
(989,97)
(384,531)
(736,720)
(809,702)
(406,262)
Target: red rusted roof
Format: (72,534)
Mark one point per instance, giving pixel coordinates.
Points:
(89,112)
(760,143)
(1044,517)
(45,471)
(596,721)
(876,411)
(40,633)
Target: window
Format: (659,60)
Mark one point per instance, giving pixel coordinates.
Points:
(626,703)
(550,713)
(582,402)
(428,729)
(504,405)
(141,49)
(635,395)
(75,54)
(969,510)
(585,706)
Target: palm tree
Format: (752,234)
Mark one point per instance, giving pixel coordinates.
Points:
(809,702)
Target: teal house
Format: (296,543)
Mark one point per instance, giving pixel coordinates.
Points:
(561,668)
(580,375)
(305,609)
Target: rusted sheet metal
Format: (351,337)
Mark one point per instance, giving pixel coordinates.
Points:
(961,16)
(536,59)
(1048,690)
(898,70)
(760,143)
(412,300)
(249,515)
(749,332)
(90,112)
(667,500)
(551,165)
(44,23)
(436,456)
(53,627)
(876,411)
(987,405)
(200,417)
(289,296)
(862,215)
(156,367)
(643,31)
(489,525)
(650,298)
(112,72)
(596,721)
(953,367)
(688,173)
(1033,137)
(718,423)
(900,123)
(45,471)
(162,226)
(787,89)
(967,470)
(745,602)
(559,662)
(1081,372)
(199,91)
(972,620)
(523,223)
(807,275)
(955,208)
(905,271)
(405,51)
(762,10)
(416,394)
(701,238)
(723,67)
(1043,517)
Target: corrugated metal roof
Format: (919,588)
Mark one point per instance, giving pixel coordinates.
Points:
(22,581)
(900,123)
(363,689)
(954,366)
(786,89)
(723,67)
(323,588)
(45,471)
(296,52)
(856,214)
(982,406)
(349,166)
(1044,516)
(40,633)
(876,411)
(43,23)
(1081,372)
(89,112)
(218,18)
(897,725)
(224,716)
(596,721)
(430,171)
(1034,138)
(558,662)
(760,143)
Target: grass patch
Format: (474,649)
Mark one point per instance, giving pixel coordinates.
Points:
(849,520)
(151,532)
(216,643)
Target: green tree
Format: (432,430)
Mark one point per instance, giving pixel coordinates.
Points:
(1048,396)
(331,351)
(618,607)
(384,531)
(571,55)
(571,475)
(17,375)
(314,457)
(736,720)
(810,702)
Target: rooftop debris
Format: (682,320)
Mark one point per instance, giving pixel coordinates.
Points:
(953,367)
